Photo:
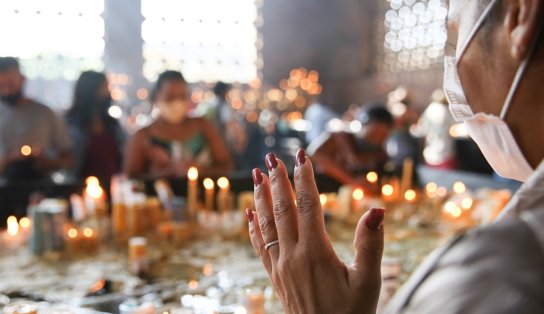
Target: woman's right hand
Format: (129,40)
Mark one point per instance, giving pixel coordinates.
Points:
(305,271)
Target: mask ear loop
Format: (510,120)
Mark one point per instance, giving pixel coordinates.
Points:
(521,72)
(475,30)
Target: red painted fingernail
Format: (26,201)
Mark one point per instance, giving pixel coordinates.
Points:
(374,221)
(271,162)
(257,176)
(249,215)
(300,157)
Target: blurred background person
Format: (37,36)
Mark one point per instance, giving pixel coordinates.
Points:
(174,141)
(33,140)
(219,111)
(434,126)
(98,135)
(344,155)
(318,115)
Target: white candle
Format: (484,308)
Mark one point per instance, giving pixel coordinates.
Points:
(209,187)
(224,197)
(192,192)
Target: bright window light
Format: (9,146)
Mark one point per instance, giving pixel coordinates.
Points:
(54,39)
(415,34)
(208,40)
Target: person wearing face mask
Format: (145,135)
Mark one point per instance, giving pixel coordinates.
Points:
(33,140)
(98,135)
(175,141)
(493,82)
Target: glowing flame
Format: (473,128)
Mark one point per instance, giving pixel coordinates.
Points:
(431,188)
(442,191)
(467,203)
(323,199)
(193,284)
(452,209)
(26,150)
(459,187)
(209,184)
(94,191)
(88,232)
(358,194)
(192,174)
(72,233)
(13,226)
(372,177)
(388,190)
(92,181)
(24,223)
(223,183)
(410,195)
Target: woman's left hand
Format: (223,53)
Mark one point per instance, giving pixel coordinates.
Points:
(305,271)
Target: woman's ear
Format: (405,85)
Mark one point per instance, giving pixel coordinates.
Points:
(523,21)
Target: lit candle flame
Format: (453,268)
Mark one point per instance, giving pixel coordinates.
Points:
(459,187)
(452,209)
(13,226)
(388,190)
(92,181)
(24,223)
(209,184)
(192,174)
(372,177)
(26,150)
(323,199)
(193,284)
(431,189)
(410,195)
(467,203)
(358,194)
(442,191)
(88,232)
(72,233)
(223,183)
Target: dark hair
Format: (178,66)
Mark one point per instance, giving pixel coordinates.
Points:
(221,88)
(375,112)
(86,105)
(165,76)
(8,63)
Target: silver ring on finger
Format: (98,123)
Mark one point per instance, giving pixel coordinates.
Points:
(271,244)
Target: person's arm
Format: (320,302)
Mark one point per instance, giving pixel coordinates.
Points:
(222,161)
(61,143)
(134,157)
(322,151)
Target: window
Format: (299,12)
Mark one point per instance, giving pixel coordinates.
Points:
(208,40)
(54,39)
(415,34)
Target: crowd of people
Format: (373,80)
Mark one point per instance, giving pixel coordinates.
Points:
(89,141)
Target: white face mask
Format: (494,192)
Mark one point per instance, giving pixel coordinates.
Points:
(173,112)
(491,133)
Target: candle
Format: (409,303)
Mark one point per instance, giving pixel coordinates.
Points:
(192,192)
(138,256)
(253,301)
(224,197)
(90,239)
(73,240)
(358,196)
(13,226)
(95,198)
(209,187)
(24,227)
(246,200)
(407,175)
(466,203)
